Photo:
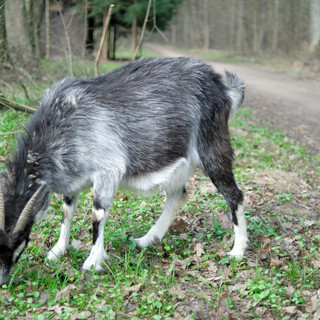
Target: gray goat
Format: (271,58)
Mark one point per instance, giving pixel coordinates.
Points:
(145,126)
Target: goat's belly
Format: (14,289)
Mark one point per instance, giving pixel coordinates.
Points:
(170,178)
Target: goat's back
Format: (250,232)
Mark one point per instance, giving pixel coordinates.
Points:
(134,120)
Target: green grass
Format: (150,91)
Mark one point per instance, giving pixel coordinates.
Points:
(188,272)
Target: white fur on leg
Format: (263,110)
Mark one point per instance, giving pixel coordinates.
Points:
(157,232)
(240,235)
(97,253)
(61,246)
(96,257)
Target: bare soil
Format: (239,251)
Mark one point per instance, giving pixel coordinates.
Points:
(289,103)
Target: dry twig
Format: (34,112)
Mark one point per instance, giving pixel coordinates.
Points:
(7,103)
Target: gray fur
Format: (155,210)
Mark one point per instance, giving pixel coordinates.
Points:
(165,116)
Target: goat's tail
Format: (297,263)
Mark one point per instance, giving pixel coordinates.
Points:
(235,91)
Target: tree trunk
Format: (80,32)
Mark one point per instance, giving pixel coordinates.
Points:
(133,36)
(239,28)
(275,29)
(262,24)
(47,29)
(17,27)
(206,32)
(314,24)
(90,34)
(106,42)
(3,34)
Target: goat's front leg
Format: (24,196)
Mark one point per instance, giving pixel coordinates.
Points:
(69,207)
(157,232)
(97,253)
(103,194)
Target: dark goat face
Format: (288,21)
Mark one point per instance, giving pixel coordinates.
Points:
(14,238)
(11,248)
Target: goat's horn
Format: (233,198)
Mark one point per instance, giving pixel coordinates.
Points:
(2,214)
(24,216)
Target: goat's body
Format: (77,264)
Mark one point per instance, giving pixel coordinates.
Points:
(145,126)
(157,112)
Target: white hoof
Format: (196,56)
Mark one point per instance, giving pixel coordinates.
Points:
(55,253)
(238,254)
(95,263)
(146,241)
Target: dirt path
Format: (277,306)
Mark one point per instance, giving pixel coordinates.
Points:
(290,104)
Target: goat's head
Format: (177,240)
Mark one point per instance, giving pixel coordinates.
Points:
(14,233)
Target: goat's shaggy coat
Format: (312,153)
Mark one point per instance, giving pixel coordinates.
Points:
(145,126)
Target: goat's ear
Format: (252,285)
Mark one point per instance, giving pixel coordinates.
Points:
(25,214)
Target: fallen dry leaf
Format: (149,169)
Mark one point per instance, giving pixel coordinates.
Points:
(179,225)
(290,309)
(65,292)
(129,290)
(198,249)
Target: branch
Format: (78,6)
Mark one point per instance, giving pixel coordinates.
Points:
(103,37)
(11,133)
(143,29)
(5,102)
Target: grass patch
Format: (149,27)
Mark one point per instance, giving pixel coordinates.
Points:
(188,273)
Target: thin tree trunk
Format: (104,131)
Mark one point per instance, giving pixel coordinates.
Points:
(206,33)
(314,24)
(262,24)
(69,52)
(3,33)
(143,30)
(85,28)
(239,26)
(106,41)
(275,30)
(133,36)
(47,29)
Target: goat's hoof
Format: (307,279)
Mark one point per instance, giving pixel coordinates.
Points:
(238,254)
(146,241)
(93,264)
(55,254)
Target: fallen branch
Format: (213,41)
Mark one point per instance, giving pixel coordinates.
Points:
(7,103)
(11,133)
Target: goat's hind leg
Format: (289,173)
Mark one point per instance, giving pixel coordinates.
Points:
(227,185)
(69,207)
(157,232)
(219,168)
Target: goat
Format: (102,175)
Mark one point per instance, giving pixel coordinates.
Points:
(145,126)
